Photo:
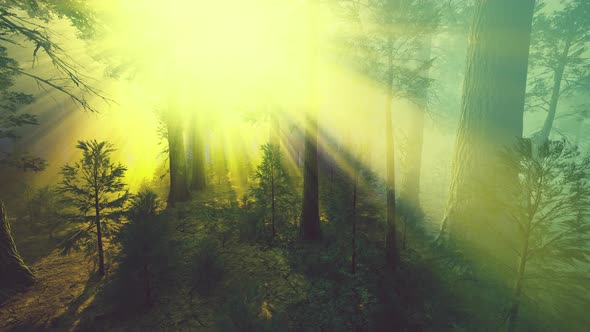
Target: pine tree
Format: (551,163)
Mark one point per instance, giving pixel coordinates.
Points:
(19,25)
(550,207)
(559,65)
(94,187)
(272,189)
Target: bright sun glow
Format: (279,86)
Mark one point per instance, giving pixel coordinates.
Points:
(215,49)
(217,60)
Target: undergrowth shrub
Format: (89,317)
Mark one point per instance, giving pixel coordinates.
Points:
(145,252)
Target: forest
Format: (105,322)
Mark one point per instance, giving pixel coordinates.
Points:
(295,165)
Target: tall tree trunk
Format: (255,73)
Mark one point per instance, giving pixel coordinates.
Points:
(391,250)
(15,274)
(413,155)
(178,174)
(198,174)
(493,103)
(354,194)
(310,214)
(101,270)
(543,135)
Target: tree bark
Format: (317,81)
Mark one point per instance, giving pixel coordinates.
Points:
(15,274)
(178,174)
(198,176)
(492,108)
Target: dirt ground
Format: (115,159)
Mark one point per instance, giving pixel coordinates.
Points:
(63,290)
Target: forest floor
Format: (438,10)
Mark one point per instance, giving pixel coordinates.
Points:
(64,289)
(68,295)
(249,285)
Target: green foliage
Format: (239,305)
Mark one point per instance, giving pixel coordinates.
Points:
(144,206)
(93,187)
(273,195)
(143,260)
(10,118)
(22,30)
(43,210)
(387,47)
(559,42)
(15,27)
(76,11)
(549,207)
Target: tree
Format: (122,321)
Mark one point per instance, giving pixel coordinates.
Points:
(550,205)
(401,24)
(22,30)
(559,60)
(94,187)
(270,112)
(415,138)
(493,103)
(198,174)
(272,190)
(179,191)
(43,208)
(310,210)
(15,274)
(355,185)
(144,251)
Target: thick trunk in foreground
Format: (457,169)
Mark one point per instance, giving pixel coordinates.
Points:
(178,174)
(493,105)
(198,176)
(15,275)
